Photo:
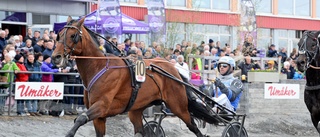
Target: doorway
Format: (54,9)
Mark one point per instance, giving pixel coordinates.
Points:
(15,29)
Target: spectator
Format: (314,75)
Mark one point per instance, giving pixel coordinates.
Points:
(29,35)
(272,52)
(293,54)
(286,70)
(175,54)
(36,37)
(21,77)
(67,101)
(283,54)
(17,41)
(247,65)
(46,67)
(211,44)
(38,47)
(33,65)
(182,67)
(127,44)
(49,49)
(271,66)
(101,45)
(7,37)
(3,41)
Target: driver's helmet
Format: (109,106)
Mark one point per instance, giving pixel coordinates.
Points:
(227,60)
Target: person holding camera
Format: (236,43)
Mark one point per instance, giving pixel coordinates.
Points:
(247,65)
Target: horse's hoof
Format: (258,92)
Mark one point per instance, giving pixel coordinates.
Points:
(138,135)
(70,135)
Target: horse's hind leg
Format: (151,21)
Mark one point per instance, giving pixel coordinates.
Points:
(100,126)
(180,109)
(315,121)
(97,110)
(135,117)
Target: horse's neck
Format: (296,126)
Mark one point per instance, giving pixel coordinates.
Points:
(88,68)
(313,77)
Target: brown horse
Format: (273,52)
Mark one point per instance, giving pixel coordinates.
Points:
(109,95)
(309,61)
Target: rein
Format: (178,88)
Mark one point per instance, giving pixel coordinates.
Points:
(100,73)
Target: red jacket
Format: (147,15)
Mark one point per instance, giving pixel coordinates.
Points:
(21,77)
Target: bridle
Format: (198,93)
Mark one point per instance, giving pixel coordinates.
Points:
(75,39)
(311,55)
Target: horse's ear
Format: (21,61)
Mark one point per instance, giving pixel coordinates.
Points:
(81,21)
(69,19)
(317,34)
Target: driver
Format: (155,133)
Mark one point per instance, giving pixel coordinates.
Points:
(229,88)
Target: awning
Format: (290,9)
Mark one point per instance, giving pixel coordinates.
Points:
(129,25)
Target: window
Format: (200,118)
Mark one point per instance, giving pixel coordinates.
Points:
(221,4)
(294,7)
(175,33)
(205,4)
(318,8)
(285,7)
(264,6)
(264,38)
(302,7)
(133,1)
(181,3)
(40,19)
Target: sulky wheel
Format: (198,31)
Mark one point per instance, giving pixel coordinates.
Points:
(150,129)
(232,130)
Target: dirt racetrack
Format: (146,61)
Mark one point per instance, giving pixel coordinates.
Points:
(120,126)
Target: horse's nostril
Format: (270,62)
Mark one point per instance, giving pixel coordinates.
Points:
(58,56)
(302,62)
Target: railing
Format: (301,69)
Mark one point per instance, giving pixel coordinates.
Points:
(236,58)
(11,83)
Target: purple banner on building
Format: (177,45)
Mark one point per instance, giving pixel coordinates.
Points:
(107,19)
(16,17)
(157,20)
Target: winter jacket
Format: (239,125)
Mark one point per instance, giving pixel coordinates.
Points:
(3,43)
(47,67)
(47,52)
(22,77)
(10,66)
(34,67)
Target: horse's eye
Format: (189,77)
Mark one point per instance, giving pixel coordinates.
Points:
(72,36)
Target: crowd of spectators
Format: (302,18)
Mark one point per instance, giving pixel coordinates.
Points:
(33,53)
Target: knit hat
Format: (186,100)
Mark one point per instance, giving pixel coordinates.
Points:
(210,41)
(17,57)
(46,57)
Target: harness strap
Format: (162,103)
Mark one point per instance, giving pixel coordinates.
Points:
(135,87)
(312,87)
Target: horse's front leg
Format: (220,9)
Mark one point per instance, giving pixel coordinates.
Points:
(135,117)
(100,126)
(97,110)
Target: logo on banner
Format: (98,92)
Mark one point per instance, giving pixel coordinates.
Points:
(156,24)
(39,90)
(111,25)
(281,91)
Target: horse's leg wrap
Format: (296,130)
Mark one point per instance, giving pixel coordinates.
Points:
(81,120)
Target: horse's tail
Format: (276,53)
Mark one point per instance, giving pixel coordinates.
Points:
(198,110)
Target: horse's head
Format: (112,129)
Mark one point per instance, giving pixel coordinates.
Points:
(69,42)
(308,50)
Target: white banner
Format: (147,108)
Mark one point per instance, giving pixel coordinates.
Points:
(39,90)
(281,91)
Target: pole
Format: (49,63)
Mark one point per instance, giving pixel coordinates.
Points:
(98,14)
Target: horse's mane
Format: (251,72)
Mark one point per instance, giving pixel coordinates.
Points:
(93,36)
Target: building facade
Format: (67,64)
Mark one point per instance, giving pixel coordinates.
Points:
(279,22)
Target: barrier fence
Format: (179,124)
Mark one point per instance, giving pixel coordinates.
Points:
(11,84)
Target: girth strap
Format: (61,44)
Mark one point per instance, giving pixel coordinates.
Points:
(312,87)
(135,87)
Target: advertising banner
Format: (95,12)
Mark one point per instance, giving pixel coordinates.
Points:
(281,91)
(157,20)
(39,90)
(107,20)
